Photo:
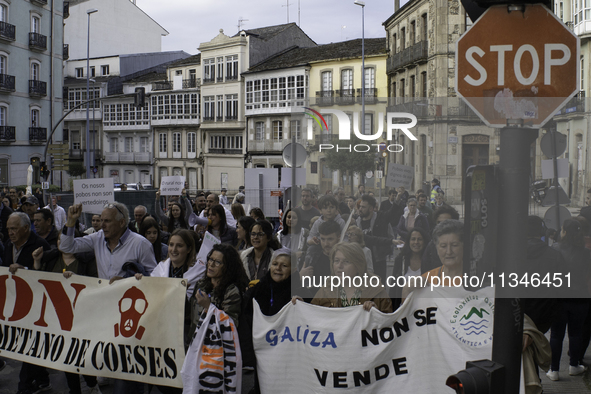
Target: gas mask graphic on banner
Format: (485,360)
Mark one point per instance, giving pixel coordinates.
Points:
(132,306)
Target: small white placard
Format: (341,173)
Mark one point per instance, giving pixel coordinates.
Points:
(208,241)
(399,175)
(172,185)
(548,168)
(45,185)
(93,194)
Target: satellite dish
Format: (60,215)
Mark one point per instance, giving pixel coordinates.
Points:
(301,155)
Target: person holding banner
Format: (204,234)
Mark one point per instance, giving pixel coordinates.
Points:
(223,286)
(272,293)
(178,214)
(347,262)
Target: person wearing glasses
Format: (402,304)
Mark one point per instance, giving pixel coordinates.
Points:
(257,258)
(114,246)
(223,285)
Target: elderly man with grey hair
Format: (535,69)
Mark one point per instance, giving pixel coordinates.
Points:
(22,242)
(114,246)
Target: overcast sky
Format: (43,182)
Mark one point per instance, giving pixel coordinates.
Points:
(191,22)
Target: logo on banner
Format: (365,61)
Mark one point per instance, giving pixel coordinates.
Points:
(471,322)
(132,307)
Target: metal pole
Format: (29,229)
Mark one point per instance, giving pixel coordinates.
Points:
(363,69)
(93,131)
(514,170)
(555,164)
(293,170)
(87,98)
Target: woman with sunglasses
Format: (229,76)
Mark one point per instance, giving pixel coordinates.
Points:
(222,286)
(257,258)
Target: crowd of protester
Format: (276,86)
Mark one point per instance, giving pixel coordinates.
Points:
(265,260)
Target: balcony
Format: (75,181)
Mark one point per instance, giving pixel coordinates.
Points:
(208,118)
(111,157)
(371,95)
(208,80)
(230,78)
(37,88)
(162,85)
(143,157)
(325,138)
(345,96)
(576,104)
(267,146)
(7,134)
(7,31)
(127,157)
(226,151)
(39,2)
(37,42)
(78,154)
(190,83)
(66,52)
(219,79)
(419,108)
(37,134)
(6,83)
(325,97)
(411,56)
(66,9)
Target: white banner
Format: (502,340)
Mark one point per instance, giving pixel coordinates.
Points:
(206,246)
(311,349)
(93,194)
(172,185)
(131,330)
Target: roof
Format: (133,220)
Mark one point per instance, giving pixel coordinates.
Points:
(266,33)
(295,56)
(149,77)
(195,59)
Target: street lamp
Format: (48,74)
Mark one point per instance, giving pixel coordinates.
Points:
(93,162)
(88,12)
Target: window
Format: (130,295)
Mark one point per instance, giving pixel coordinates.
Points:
(412,33)
(3,111)
(163,143)
(208,107)
(561,11)
(313,167)
(326,81)
(176,145)
(424,84)
(328,119)
(402,39)
(92,73)
(220,108)
(394,43)
(35,24)
(231,106)
(346,79)
(275,92)
(393,91)
(402,88)
(114,144)
(35,117)
(78,95)
(582,87)
(231,67)
(208,70)
(412,86)
(105,70)
(3,64)
(259,131)
(79,72)
(370,78)
(368,124)
(229,142)
(277,130)
(175,106)
(191,145)
(295,128)
(34,71)
(192,75)
(424,27)
(3,13)
(220,69)
(144,147)
(128,144)
(76,140)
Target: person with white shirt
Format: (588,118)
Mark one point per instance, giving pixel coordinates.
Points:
(59,213)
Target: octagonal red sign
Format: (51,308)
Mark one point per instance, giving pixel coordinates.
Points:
(517,65)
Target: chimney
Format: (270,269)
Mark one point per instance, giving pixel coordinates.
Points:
(396,5)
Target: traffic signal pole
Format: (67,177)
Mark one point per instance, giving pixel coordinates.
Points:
(514,170)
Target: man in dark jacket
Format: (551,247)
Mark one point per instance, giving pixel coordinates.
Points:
(19,254)
(377,236)
(4,214)
(139,213)
(43,221)
(22,242)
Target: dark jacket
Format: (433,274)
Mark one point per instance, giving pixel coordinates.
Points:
(543,304)
(52,238)
(26,256)
(344,208)
(5,212)
(578,264)
(377,238)
(431,259)
(420,221)
(228,236)
(271,297)
(86,262)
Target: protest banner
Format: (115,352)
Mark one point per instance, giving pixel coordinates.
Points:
(214,362)
(172,185)
(131,329)
(311,349)
(399,175)
(208,241)
(93,194)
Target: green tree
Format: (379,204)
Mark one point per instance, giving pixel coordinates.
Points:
(351,162)
(76,169)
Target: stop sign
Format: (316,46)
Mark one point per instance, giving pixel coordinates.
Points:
(517,65)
